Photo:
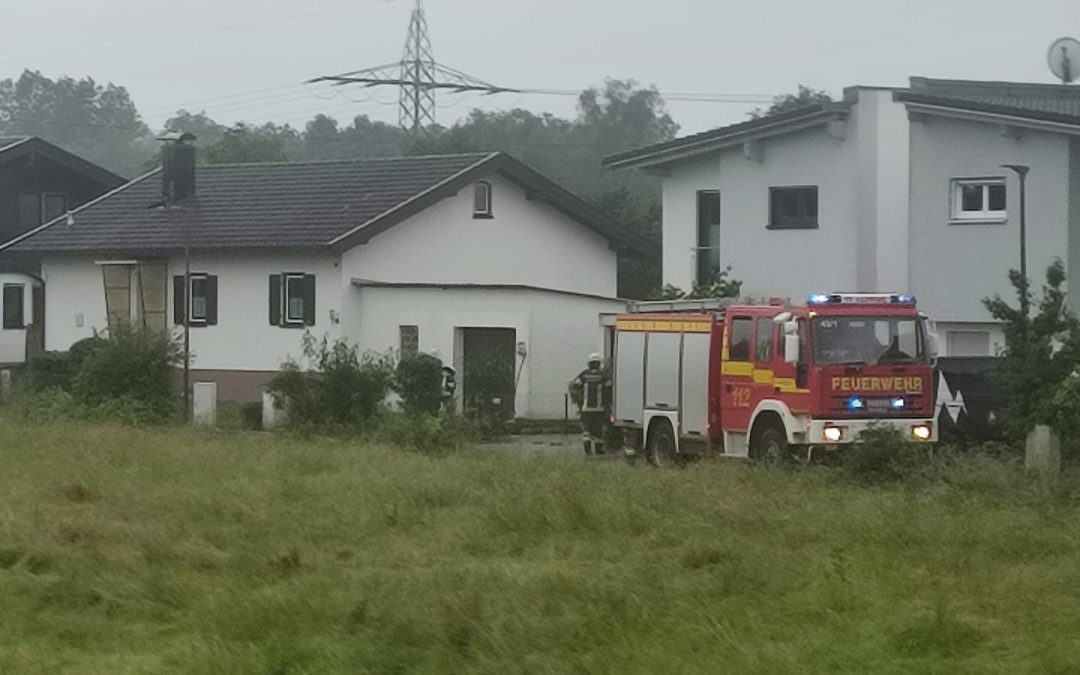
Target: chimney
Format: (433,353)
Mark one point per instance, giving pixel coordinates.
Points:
(177,166)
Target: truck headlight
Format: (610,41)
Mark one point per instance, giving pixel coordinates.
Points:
(922,432)
(833,434)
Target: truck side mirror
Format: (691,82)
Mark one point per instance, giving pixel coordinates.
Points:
(791,348)
(933,346)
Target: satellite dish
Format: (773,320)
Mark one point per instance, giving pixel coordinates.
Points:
(1064,59)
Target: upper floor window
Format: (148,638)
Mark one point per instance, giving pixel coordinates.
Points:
(38,209)
(482,200)
(979,199)
(793,208)
(708,236)
(13,306)
(292,300)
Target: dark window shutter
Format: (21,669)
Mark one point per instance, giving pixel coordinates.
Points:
(275,299)
(309,299)
(179,300)
(211,300)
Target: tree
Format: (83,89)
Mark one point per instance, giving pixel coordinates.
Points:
(323,139)
(247,144)
(207,131)
(804,97)
(1042,351)
(97,122)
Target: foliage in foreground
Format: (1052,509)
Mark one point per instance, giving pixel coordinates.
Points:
(125,551)
(1042,355)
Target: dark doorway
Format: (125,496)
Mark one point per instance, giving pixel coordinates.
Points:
(488,357)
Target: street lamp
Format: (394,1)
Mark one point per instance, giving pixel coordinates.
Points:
(1022,172)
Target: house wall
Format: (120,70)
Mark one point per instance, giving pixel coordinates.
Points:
(787,263)
(243,339)
(526,242)
(955,266)
(13,341)
(559,331)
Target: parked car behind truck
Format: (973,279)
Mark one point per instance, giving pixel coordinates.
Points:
(772,379)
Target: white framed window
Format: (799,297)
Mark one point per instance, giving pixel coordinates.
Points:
(294,299)
(409,340)
(969,343)
(482,200)
(982,200)
(198,310)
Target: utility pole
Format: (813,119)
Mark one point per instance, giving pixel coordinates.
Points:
(417,77)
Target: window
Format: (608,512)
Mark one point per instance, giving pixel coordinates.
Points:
(764,339)
(13,306)
(969,343)
(708,237)
(53,205)
(292,300)
(740,339)
(793,208)
(200,302)
(981,200)
(482,200)
(855,340)
(410,340)
(29,211)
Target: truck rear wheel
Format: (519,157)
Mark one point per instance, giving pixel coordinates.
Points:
(770,445)
(660,450)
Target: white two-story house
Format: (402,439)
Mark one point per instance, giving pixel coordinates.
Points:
(476,256)
(900,190)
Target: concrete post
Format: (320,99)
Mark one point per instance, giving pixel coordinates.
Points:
(270,413)
(1043,451)
(205,403)
(5,384)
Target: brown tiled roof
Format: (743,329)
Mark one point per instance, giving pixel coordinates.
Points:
(288,205)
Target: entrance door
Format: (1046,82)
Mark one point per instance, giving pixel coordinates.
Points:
(488,358)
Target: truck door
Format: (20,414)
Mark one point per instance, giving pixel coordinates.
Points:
(764,339)
(737,373)
(790,381)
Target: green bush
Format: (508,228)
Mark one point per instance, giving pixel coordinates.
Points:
(885,455)
(339,388)
(251,416)
(419,382)
(427,434)
(131,374)
(57,370)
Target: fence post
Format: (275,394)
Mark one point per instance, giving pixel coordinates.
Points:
(1043,451)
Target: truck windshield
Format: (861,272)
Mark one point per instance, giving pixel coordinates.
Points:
(868,340)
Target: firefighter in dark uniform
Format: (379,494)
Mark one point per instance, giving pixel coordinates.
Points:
(448,384)
(591,391)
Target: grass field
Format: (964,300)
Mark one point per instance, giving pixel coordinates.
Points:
(139,551)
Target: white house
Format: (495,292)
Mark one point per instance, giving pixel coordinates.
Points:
(18,293)
(477,256)
(897,190)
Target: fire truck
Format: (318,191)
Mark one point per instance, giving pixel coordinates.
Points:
(770,380)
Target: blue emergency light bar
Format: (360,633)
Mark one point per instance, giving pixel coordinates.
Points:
(860,299)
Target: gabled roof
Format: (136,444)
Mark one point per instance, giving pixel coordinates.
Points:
(316,205)
(16,147)
(1054,102)
(724,137)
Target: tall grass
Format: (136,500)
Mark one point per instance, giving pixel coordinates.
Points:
(128,551)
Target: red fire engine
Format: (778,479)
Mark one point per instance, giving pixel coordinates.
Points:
(764,380)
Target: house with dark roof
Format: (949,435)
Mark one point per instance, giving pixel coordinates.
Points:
(38,182)
(476,256)
(890,189)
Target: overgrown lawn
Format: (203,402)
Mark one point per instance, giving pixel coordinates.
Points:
(130,551)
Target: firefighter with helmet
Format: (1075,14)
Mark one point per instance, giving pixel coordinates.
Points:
(591,392)
(448,385)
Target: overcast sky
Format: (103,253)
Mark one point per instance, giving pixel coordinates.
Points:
(207,55)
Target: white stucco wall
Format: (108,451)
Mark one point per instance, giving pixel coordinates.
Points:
(559,330)
(243,338)
(527,242)
(786,263)
(955,266)
(13,341)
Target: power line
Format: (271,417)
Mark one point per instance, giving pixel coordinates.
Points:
(194,34)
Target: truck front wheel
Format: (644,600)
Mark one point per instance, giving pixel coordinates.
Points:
(660,449)
(770,445)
